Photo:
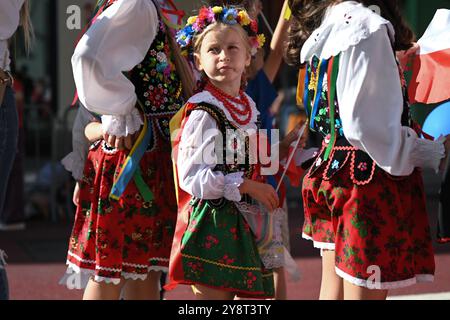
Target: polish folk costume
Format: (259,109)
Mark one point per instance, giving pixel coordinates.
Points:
(126,217)
(364,196)
(214,243)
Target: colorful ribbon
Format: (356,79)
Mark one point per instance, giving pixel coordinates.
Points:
(131,168)
(332,79)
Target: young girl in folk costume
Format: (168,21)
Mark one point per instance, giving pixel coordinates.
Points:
(214,248)
(126,206)
(364,198)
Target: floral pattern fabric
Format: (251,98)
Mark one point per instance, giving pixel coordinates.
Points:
(383,223)
(128,237)
(218,248)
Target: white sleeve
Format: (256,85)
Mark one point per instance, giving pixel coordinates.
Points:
(197,159)
(75,161)
(9,17)
(116,43)
(371,105)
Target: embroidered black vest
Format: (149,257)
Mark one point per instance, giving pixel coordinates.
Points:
(228,147)
(158,86)
(336,152)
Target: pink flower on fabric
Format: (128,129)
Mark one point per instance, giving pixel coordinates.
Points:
(362,166)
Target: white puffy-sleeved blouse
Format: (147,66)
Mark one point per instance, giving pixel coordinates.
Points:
(117,42)
(369,90)
(9,21)
(196,161)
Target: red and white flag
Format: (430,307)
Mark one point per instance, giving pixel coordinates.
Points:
(430,82)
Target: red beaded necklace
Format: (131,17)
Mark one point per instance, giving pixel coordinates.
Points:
(227,100)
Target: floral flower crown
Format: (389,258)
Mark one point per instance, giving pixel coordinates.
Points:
(209,15)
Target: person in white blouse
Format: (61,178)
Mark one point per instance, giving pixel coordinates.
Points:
(364,192)
(12,14)
(127,55)
(214,249)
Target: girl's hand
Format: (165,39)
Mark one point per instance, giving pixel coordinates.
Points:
(76,194)
(290,138)
(261,192)
(121,143)
(406,56)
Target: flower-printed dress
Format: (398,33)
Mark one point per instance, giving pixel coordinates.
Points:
(364,196)
(214,245)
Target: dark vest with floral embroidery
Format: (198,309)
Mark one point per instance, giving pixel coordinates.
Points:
(228,166)
(324,119)
(158,86)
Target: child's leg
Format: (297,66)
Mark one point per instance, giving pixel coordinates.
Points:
(102,290)
(205,293)
(147,289)
(332,285)
(352,292)
(279,276)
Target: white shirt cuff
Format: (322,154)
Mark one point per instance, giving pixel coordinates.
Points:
(122,126)
(428,154)
(232,183)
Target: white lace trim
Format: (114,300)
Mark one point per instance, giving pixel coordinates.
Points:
(420,278)
(3,257)
(74,163)
(273,253)
(121,126)
(232,183)
(428,153)
(78,278)
(207,97)
(345,25)
(320,245)
(123,263)
(80,259)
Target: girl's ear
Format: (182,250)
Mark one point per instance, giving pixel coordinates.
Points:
(248,59)
(197,62)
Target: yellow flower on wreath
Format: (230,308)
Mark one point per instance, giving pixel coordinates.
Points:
(217,9)
(191,20)
(244,18)
(261,40)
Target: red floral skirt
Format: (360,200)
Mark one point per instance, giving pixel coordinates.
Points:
(380,231)
(126,238)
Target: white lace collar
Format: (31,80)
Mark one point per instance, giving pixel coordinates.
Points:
(207,97)
(344,25)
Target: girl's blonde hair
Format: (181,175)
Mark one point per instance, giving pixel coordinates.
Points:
(183,68)
(25,22)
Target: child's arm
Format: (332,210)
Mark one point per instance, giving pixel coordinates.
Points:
(275,57)
(93,131)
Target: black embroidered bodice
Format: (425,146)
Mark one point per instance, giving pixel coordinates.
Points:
(362,167)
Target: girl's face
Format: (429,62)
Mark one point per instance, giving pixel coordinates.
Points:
(223,57)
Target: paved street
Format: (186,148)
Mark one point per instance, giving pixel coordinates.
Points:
(37,256)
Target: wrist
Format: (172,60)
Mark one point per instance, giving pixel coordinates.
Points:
(243,188)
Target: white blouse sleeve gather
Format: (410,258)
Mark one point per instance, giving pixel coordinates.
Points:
(74,161)
(371,105)
(196,161)
(115,43)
